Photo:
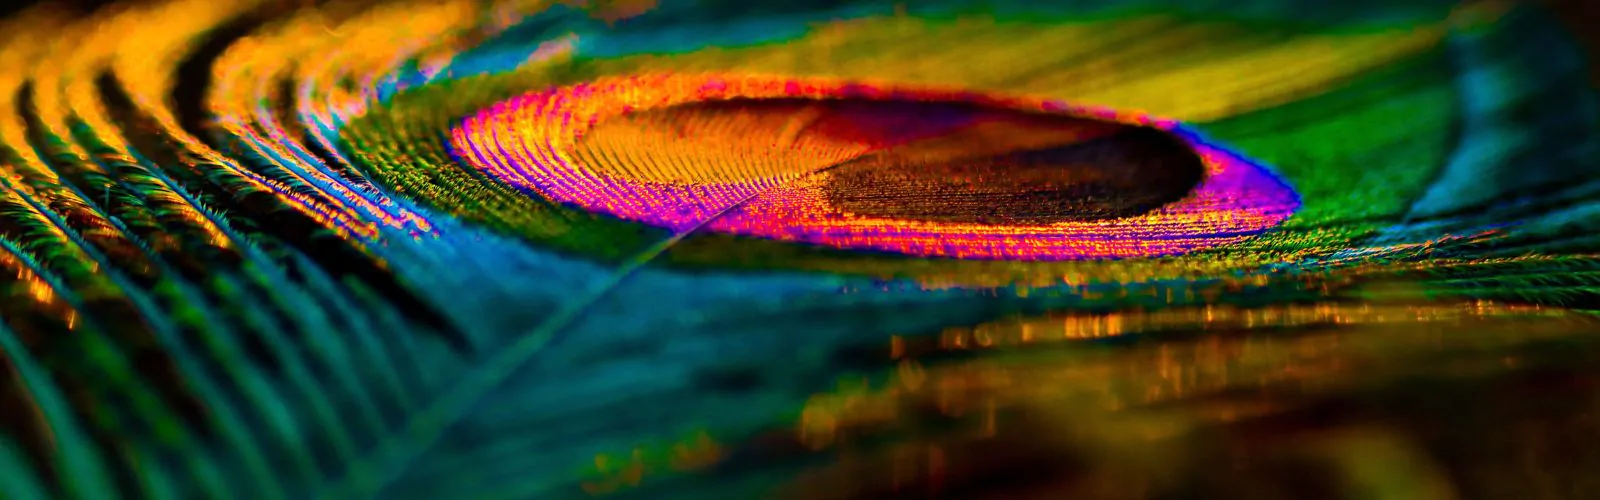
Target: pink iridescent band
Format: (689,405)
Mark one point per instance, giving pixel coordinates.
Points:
(529,141)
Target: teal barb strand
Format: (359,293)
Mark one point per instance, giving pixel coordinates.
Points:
(248,250)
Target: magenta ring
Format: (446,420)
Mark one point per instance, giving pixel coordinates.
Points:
(528,142)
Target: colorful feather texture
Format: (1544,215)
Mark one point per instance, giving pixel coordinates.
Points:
(526,249)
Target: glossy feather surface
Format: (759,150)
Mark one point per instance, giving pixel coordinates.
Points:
(717,249)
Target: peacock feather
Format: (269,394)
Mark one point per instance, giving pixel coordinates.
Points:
(825,249)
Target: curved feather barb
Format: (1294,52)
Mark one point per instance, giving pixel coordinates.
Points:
(857,249)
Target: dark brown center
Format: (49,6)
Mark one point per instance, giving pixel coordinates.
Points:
(1070,170)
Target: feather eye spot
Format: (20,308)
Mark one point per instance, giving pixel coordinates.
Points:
(903,170)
